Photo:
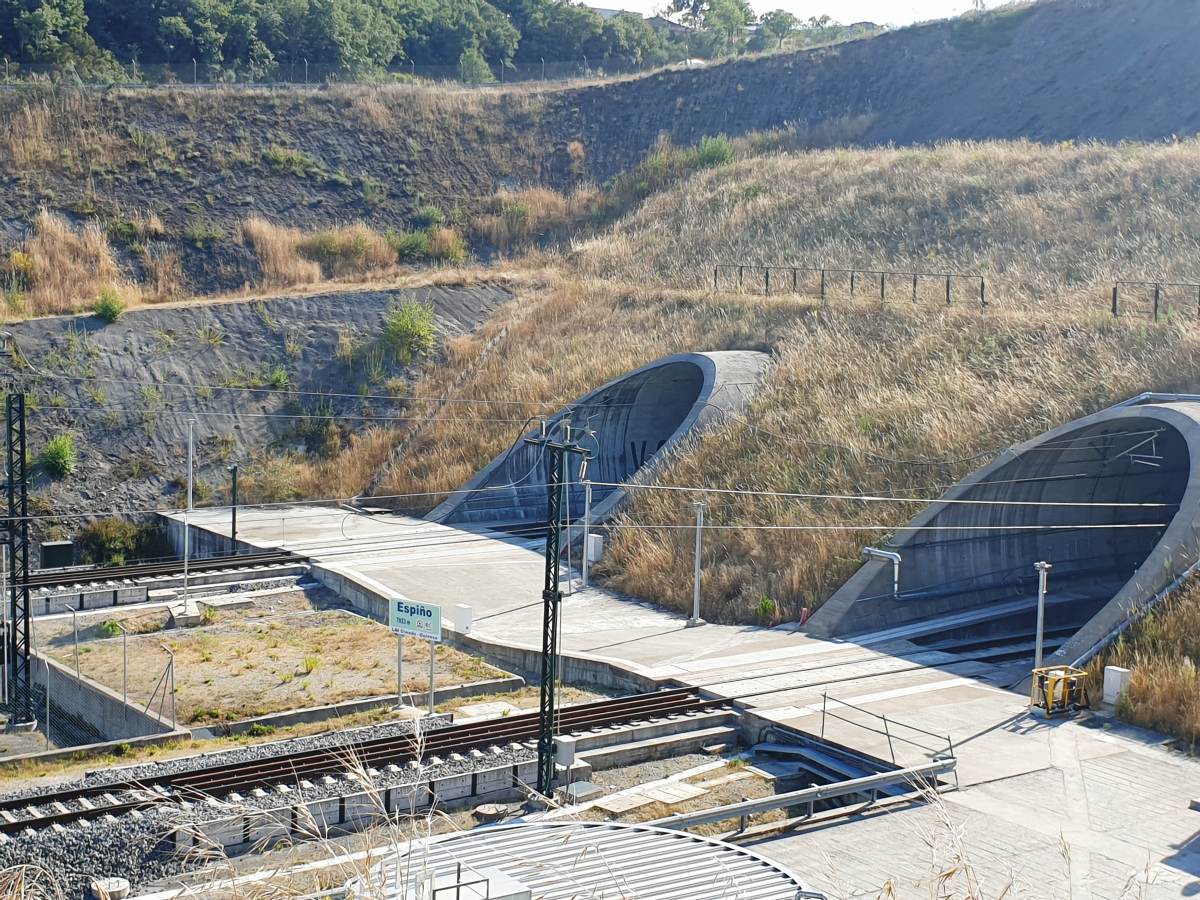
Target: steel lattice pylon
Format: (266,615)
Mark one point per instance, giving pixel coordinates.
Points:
(18,543)
(556,486)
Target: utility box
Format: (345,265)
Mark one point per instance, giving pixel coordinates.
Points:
(1116,683)
(462,618)
(595,547)
(58,554)
(564,750)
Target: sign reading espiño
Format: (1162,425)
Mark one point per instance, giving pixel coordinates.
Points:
(419,620)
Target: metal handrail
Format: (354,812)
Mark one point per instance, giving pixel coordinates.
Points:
(887,729)
(870,783)
(883,275)
(1158,289)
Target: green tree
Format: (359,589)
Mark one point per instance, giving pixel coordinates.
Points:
(561,31)
(779,24)
(630,41)
(728,18)
(474,67)
(442,31)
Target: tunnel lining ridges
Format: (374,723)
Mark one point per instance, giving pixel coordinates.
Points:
(974,583)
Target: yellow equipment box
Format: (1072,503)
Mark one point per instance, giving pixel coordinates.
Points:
(1057,691)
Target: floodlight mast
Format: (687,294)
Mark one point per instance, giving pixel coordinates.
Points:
(556,487)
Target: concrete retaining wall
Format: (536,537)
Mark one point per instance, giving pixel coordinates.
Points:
(358,810)
(94,704)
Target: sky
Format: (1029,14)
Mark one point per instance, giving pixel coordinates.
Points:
(881,12)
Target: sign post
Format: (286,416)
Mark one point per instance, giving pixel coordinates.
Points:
(419,620)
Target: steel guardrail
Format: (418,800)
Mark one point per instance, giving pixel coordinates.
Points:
(869,784)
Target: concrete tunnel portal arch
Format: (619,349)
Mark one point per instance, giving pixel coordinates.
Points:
(967,578)
(636,418)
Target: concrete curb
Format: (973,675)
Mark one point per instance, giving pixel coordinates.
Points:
(101,749)
(336,710)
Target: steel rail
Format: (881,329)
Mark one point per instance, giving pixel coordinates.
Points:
(83,577)
(290,768)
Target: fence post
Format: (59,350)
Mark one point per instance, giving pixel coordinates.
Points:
(794,287)
(822,284)
(824,701)
(851,282)
(1116,307)
(915,276)
(948,290)
(741,277)
(1157,299)
(883,285)
(767,281)
(715,268)
(982,298)
(1198,299)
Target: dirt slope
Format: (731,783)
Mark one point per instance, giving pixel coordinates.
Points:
(1110,70)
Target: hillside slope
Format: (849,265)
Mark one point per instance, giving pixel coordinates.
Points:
(1058,70)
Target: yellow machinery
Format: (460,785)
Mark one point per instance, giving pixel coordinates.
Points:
(1058,690)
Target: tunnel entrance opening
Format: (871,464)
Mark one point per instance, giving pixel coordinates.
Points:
(968,583)
(633,419)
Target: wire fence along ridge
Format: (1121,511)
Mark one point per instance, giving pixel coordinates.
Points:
(795,284)
(1162,295)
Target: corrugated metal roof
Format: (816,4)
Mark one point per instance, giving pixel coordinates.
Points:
(596,861)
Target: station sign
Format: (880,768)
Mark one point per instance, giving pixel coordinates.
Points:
(413,619)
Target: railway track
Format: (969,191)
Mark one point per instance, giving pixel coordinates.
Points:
(73,577)
(62,807)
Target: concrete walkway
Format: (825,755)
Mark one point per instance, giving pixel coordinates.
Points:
(1084,809)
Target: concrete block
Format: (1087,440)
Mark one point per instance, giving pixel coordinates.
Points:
(658,748)
(1116,682)
(462,618)
(488,780)
(323,815)
(453,788)
(162,595)
(361,809)
(131,595)
(595,547)
(269,826)
(408,798)
(219,833)
(525,774)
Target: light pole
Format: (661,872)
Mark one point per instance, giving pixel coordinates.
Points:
(195,73)
(75,629)
(1042,569)
(233,511)
(187,533)
(695,619)
(306,71)
(124,671)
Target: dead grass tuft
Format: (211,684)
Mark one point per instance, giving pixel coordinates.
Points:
(280,262)
(518,218)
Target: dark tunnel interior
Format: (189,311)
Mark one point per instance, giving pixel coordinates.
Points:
(632,420)
(953,565)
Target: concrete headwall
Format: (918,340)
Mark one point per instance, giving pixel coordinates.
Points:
(94,704)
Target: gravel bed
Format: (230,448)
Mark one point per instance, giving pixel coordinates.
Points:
(138,849)
(235,755)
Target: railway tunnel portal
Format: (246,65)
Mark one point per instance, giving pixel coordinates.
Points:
(1110,501)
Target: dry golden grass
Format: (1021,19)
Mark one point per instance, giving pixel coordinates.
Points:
(1037,220)
(62,270)
(519,217)
(278,256)
(1160,650)
(272,479)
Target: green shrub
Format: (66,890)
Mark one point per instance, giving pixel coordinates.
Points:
(200,234)
(108,629)
(121,749)
(110,307)
(409,244)
(447,245)
(711,151)
(258,729)
(427,217)
(310,664)
(408,329)
(106,539)
(59,456)
(285,161)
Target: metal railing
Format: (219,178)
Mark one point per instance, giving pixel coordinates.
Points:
(1159,288)
(915,776)
(891,729)
(791,280)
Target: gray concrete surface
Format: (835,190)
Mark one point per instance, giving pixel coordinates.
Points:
(1118,797)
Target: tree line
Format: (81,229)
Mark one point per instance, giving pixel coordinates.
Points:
(250,40)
